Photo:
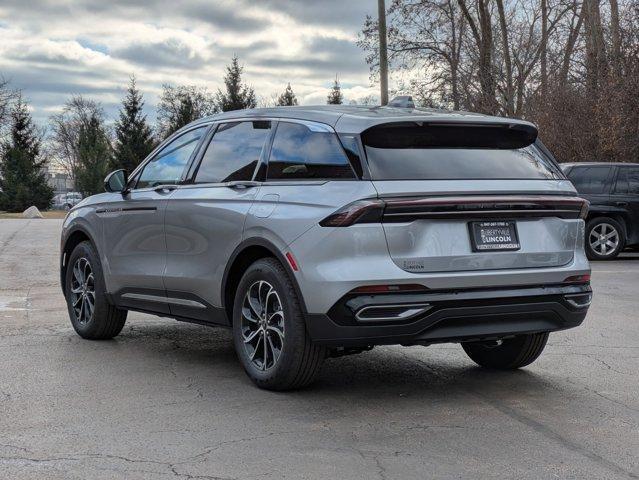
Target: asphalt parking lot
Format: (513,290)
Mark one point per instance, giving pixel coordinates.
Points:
(169,400)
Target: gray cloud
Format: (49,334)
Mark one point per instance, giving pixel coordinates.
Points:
(179,42)
(219,14)
(349,13)
(50,87)
(171,53)
(327,56)
(215,13)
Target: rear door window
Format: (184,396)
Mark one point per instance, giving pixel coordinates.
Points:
(234,152)
(628,180)
(307,152)
(590,180)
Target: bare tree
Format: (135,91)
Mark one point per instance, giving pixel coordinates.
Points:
(181,105)
(568,65)
(615,32)
(7,96)
(66,128)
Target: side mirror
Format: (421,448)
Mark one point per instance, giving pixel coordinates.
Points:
(116,181)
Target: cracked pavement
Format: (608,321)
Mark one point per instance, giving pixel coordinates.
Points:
(169,400)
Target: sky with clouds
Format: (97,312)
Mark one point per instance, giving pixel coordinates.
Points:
(52,49)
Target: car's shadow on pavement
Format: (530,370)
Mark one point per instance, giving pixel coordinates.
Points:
(206,355)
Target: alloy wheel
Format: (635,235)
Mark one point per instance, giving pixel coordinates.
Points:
(262,325)
(604,239)
(83,291)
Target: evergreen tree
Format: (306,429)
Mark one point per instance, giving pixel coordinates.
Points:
(22,167)
(288,98)
(181,105)
(237,96)
(335,96)
(133,136)
(94,154)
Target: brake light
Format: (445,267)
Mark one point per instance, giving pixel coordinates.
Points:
(578,279)
(362,211)
(389,288)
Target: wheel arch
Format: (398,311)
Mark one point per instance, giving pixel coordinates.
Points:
(72,239)
(249,251)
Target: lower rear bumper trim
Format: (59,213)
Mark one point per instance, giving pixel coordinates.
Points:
(455,316)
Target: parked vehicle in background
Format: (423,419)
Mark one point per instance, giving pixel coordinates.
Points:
(66,201)
(613,192)
(324,231)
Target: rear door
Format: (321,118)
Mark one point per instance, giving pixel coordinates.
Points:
(462,198)
(205,217)
(626,197)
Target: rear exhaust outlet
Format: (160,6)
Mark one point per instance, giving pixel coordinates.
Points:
(579,300)
(385,313)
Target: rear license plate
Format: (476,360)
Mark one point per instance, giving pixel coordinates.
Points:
(491,236)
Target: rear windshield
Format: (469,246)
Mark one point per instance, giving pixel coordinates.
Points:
(427,152)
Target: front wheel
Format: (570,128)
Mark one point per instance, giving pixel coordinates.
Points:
(507,354)
(269,332)
(92,316)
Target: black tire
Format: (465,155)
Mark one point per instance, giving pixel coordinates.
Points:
(299,360)
(512,353)
(596,224)
(105,321)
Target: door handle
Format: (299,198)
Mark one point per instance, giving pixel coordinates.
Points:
(242,184)
(165,188)
(622,204)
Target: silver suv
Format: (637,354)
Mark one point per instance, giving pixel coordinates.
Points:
(324,231)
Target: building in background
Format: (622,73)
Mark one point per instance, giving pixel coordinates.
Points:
(59,180)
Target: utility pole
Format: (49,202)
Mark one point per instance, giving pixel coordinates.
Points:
(383,54)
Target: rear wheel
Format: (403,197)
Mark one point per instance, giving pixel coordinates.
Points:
(269,332)
(92,316)
(509,353)
(604,238)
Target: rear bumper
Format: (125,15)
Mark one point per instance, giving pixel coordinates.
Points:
(449,316)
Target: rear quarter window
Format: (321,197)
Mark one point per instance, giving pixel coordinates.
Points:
(306,152)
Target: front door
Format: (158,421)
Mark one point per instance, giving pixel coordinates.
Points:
(133,227)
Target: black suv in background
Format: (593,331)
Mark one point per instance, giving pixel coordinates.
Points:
(613,192)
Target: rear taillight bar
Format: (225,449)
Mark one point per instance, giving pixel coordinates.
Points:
(465,207)
(362,211)
(486,206)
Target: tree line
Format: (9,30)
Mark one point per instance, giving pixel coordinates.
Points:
(570,66)
(81,140)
